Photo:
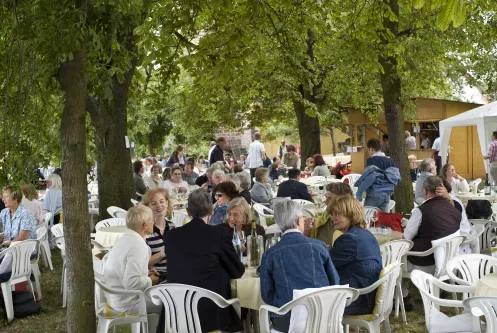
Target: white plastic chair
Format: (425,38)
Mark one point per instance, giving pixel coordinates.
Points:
(384,302)
(112,210)
(61,245)
(263,213)
(181,305)
(488,235)
(323,309)
(303,202)
(35,269)
(179,219)
(106,321)
(474,237)
(134,202)
(93,204)
(393,252)
(92,212)
(369,212)
(391,206)
(484,306)
(98,246)
(272,236)
(352,178)
(48,217)
(57,230)
(21,271)
(42,236)
(110,223)
(467,269)
(429,287)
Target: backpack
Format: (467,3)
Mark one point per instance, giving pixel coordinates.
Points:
(24,304)
(479,209)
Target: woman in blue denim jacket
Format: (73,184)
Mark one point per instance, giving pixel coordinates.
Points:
(356,253)
(295,262)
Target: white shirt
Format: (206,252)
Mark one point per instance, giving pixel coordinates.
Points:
(459,185)
(255,151)
(210,152)
(126,267)
(436,144)
(411,142)
(379,153)
(34,208)
(170,186)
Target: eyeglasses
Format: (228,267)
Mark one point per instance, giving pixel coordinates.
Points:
(177,174)
(219,195)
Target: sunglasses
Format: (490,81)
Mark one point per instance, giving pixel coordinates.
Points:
(219,195)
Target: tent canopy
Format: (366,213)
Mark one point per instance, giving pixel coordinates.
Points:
(483,117)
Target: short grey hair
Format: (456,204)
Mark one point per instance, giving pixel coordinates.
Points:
(217,171)
(137,216)
(56,181)
(234,179)
(209,171)
(427,164)
(217,166)
(286,213)
(431,183)
(199,203)
(244,178)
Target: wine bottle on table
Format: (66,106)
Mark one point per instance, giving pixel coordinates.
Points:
(254,247)
(237,244)
(487,185)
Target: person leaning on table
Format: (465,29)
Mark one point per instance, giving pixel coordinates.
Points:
(126,264)
(295,262)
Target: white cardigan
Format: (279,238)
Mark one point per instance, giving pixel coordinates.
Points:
(126,267)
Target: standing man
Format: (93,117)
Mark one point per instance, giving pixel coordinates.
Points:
(492,156)
(138,181)
(436,154)
(385,146)
(255,151)
(282,150)
(378,179)
(217,153)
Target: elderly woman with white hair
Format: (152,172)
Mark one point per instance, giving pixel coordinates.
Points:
(427,168)
(244,179)
(261,191)
(126,264)
(53,198)
(307,262)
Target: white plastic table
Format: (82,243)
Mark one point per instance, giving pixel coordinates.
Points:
(487,285)
(108,236)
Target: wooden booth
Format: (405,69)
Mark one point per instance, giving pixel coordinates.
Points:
(465,153)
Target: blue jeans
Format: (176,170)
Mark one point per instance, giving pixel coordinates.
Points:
(379,200)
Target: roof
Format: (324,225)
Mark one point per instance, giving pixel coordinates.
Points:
(472,116)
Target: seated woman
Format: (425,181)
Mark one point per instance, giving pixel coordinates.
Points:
(458,183)
(356,253)
(306,263)
(155,179)
(158,201)
(261,191)
(178,157)
(31,203)
(244,179)
(176,184)
(239,214)
(126,265)
(320,167)
(53,198)
(413,167)
(323,226)
(291,159)
(309,167)
(223,193)
(17,223)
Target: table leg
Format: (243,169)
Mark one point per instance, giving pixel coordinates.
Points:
(255,320)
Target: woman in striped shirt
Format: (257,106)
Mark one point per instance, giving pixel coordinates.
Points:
(158,201)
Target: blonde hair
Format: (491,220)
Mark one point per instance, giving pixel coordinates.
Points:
(29,191)
(147,198)
(244,206)
(412,157)
(137,216)
(349,207)
(56,181)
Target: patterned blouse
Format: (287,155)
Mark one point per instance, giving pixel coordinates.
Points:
(22,220)
(156,243)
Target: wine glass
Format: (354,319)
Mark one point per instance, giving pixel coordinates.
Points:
(374,218)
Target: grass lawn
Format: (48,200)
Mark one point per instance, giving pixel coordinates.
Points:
(52,317)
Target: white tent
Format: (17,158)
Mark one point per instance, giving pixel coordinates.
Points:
(483,117)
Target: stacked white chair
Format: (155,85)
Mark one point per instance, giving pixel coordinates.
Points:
(467,269)
(134,202)
(385,287)
(324,309)
(392,252)
(48,217)
(21,271)
(181,305)
(484,306)
(303,202)
(57,230)
(114,211)
(429,287)
(263,212)
(42,236)
(473,239)
(391,206)
(487,236)
(106,320)
(110,223)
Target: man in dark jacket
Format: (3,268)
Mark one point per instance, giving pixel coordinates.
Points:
(218,151)
(202,256)
(293,187)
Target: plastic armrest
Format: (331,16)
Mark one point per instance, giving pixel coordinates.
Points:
(454,288)
(421,254)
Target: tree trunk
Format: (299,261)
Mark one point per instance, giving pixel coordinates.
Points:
(394,115)
(333,144)
(80,301)
(310,136)
(115,181)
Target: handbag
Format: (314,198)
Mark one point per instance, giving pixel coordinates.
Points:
(390,220)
